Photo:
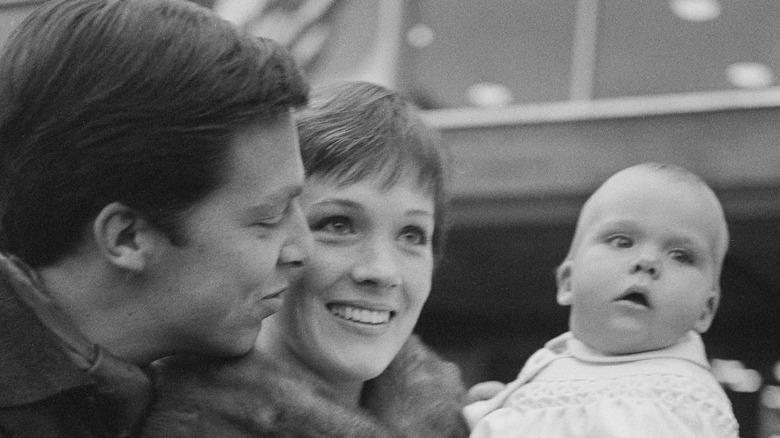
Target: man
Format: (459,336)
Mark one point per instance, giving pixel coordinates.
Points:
(148,204)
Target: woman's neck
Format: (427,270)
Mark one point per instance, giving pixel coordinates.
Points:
(344,390)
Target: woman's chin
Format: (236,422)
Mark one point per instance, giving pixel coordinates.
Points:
(368,371)
(363,364)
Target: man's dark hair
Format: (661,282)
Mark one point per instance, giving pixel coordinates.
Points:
(130,101)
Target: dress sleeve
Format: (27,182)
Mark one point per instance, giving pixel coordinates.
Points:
(475,411)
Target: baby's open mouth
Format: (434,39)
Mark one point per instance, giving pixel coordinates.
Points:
(635,296)
(360,314)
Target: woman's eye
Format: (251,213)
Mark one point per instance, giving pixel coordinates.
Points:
(620,241)
(414,236)
(682,256)
(334,225)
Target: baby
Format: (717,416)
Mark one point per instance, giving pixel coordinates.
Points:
(642,278)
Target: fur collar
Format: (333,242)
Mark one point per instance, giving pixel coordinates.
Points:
(419,395)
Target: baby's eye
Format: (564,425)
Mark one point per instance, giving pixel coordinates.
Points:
(339,225)
(414,235)
(620,241)
(682,256)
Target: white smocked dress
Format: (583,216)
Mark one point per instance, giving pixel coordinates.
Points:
(567,389)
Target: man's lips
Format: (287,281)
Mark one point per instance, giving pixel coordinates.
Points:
(276,295)
(636,295)
(272,302)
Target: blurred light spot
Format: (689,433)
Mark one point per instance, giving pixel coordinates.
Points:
(489,95)
(776,371)
(696,10)
(723,368)
(750,75)
(420,36)
(770,397)
(733,375)
(747,381)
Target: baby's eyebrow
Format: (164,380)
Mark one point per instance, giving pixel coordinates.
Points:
(616,225)
(621,222)
(690,243)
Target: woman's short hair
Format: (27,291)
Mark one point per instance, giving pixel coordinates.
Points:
(358,131)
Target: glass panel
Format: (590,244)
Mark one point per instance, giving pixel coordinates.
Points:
(523,47)
(644,48)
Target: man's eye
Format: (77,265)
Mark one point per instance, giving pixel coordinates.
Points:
(619,241)
(334,225)
(414,236)
(272,221)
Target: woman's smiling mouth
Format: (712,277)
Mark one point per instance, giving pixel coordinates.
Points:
(361,315)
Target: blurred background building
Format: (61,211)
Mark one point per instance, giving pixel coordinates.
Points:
(539,101)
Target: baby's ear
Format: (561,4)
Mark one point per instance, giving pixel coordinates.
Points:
(563,278)
(708,313)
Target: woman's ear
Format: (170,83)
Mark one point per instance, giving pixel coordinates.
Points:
(563,278)
(123,237)
(708,313)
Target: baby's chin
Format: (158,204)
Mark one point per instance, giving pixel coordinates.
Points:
(618,345)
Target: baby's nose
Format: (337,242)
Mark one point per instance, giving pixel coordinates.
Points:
(647,264)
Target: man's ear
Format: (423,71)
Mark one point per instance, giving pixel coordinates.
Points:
(123,237)
(708,313)
(563,278)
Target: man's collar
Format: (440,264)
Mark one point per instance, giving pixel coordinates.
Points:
(88,363)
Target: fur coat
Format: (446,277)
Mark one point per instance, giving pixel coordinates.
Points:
(419,395)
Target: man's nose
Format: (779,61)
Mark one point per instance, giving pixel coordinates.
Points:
(296,250)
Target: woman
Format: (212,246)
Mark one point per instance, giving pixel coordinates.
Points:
(339,359)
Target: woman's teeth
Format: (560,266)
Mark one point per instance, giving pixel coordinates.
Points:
(357,314)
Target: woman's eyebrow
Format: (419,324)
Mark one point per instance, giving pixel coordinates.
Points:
(346,203)
(419,212)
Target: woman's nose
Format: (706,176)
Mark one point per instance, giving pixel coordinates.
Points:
(299,242)
(377,265)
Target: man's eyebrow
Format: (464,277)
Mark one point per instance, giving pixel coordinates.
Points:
(286,193)
(275,200)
